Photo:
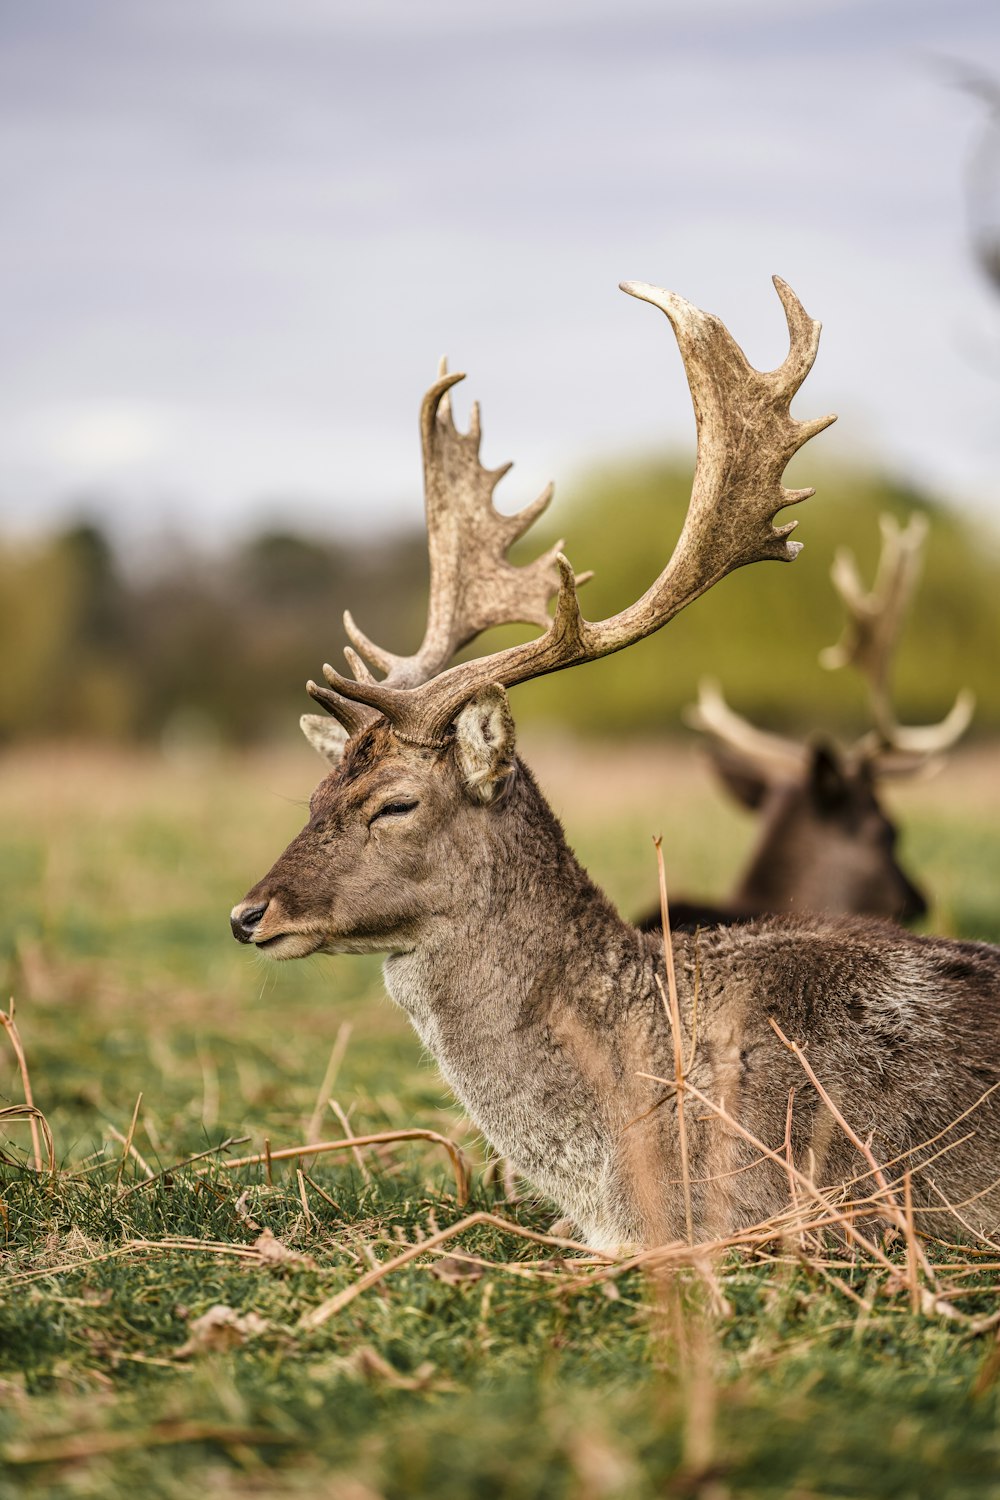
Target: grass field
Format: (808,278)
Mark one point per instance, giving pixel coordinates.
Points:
(446,1378)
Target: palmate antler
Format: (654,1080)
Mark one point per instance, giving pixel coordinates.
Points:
(746,436)
(473,586)
(712,715)
(871,635)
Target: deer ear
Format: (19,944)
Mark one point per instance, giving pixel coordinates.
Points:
(484,743)
(827,778)
(743,778)
(325,735)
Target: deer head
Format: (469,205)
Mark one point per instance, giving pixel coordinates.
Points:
(402,833)
(826,843)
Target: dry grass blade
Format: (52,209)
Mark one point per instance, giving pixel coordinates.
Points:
(843,1218)
(128,1148)
(233,1140)
(10,1026)
(932,1303)
(333,1066)
(303,1198)
(912,1249)
(38,1123)
(893,1209)
(91,1444)
(324,1195)
(345,1126)
(789,1163)
(672,1007)
(459,1165)
(333,1305)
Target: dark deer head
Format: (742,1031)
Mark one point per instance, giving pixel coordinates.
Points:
(826,843)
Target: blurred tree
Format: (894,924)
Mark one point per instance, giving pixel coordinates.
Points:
(761,631)
(226,644)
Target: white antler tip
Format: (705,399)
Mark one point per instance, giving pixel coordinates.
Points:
(646,292)
(792,549)
(833,657)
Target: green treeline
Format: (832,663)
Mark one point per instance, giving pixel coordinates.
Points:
(220,647)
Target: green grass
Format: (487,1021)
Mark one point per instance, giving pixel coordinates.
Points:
(116,876)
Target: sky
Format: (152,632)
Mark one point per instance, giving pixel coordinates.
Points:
(238,234)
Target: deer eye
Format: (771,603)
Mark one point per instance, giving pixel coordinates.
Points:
(392,810)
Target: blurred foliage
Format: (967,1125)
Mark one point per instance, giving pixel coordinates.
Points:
(199,650)
(760,631)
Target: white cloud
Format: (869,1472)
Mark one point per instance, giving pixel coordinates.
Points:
(103,439)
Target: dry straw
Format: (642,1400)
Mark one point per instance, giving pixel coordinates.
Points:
(851,1215)
(27,1111)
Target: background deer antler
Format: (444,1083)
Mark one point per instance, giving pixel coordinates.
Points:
(746,436)
(871,635)
(712,715)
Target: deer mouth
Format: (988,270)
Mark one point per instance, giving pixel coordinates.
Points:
(288,945)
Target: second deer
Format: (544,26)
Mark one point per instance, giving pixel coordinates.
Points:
(826,843)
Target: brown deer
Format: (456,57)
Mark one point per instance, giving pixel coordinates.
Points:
(826,843)
(430,841)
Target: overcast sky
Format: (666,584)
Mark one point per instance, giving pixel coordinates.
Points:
(237,235)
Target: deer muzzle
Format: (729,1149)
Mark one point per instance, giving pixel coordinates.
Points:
(245,918)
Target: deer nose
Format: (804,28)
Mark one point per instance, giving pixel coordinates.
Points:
(243,920)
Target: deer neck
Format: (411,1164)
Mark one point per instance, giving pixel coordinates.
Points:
(772,879)
(520,906)
(516,993)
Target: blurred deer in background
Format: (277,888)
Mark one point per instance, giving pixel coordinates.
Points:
(430,842)
(826,843)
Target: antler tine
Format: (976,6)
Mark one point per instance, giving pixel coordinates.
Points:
(712,715)
(353,716)
(871,635)
(473,586)
(919,742)
(746,436)
(875,617)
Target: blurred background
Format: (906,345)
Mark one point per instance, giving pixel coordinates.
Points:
(240,233)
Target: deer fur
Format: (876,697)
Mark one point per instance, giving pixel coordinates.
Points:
(542,1008)
(430,842)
